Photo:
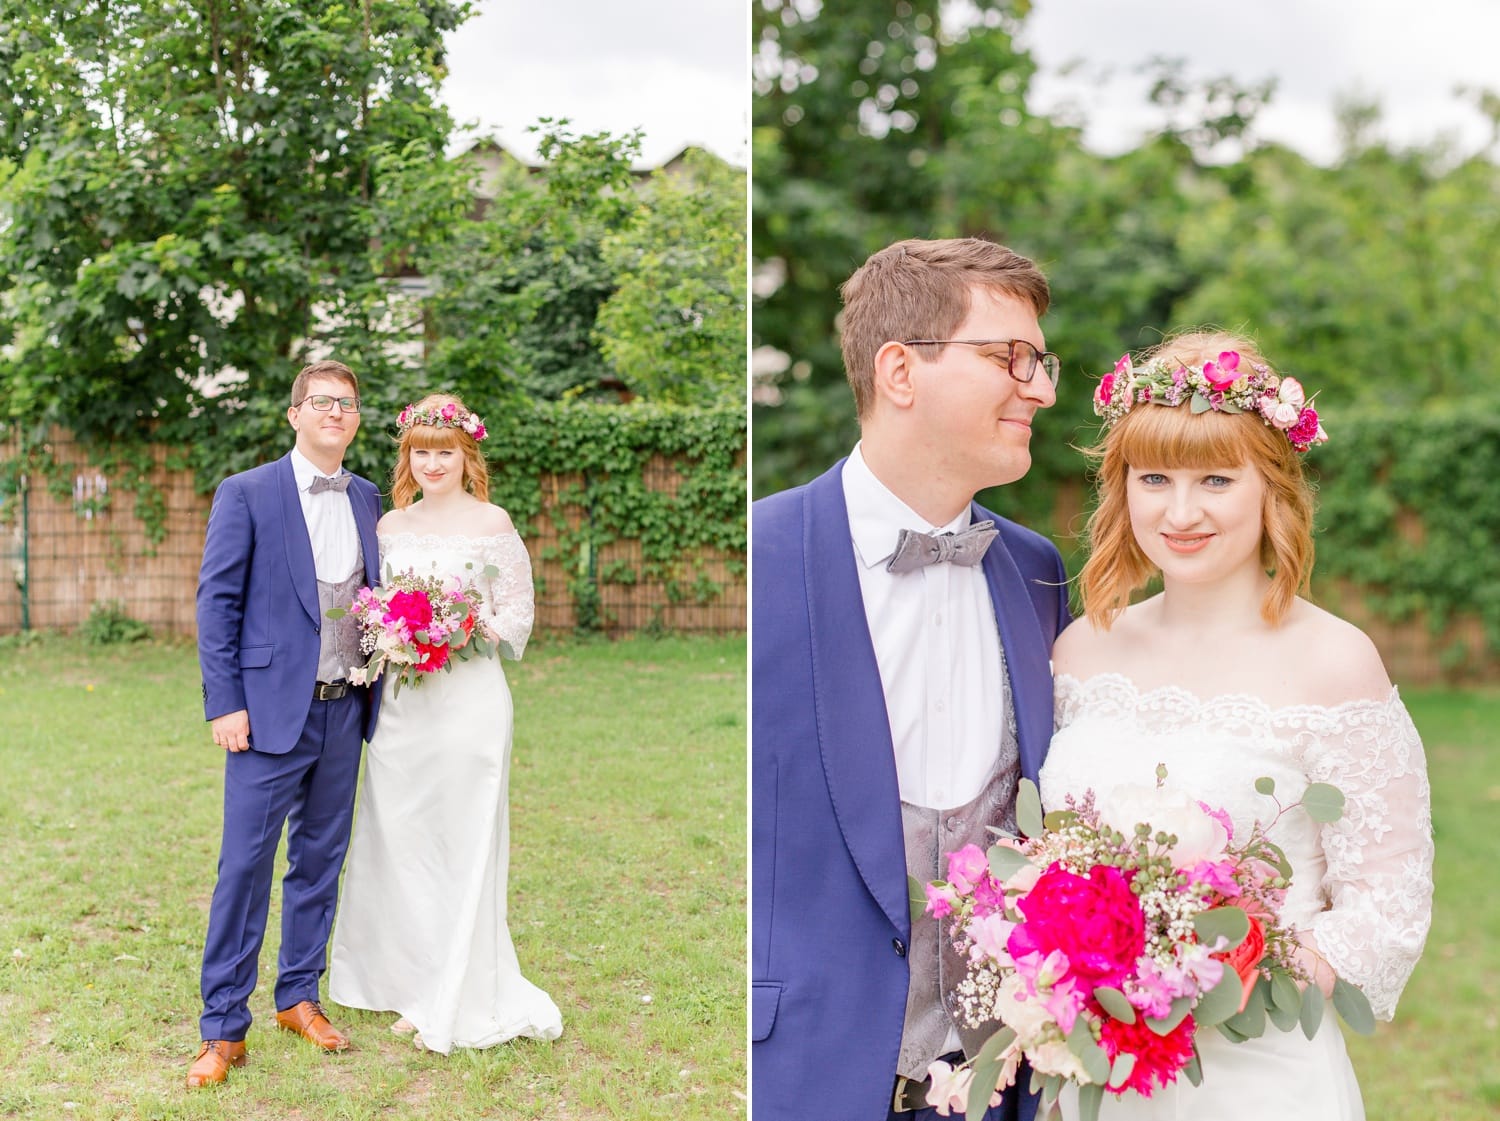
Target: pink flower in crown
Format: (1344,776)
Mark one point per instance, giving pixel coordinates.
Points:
(1124,367)
(480,432)
(1106,390)
(1290,391)
(405,418)
(1307,431)
(448,411)
(967,867)
(1221,375)
(1285,416)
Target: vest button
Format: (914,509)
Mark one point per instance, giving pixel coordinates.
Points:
(900,947)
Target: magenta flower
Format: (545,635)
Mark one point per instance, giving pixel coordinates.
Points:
(1221,376)
(448,411)
(1106,389)
(1307,431)
(967,867)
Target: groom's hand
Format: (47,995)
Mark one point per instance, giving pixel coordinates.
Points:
(232,730)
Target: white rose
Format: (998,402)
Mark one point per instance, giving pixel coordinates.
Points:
(1199,835)
(1027,1015)
(1058,1058)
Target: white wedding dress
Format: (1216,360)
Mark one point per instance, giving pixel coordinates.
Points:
(1363,885)
(422,920)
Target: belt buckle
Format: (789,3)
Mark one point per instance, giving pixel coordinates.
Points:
(899,1104)
(329,690)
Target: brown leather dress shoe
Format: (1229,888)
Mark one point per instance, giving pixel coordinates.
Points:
(214,1059)
(308,1021)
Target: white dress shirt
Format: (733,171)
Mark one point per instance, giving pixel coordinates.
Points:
(330,524)
(937,645)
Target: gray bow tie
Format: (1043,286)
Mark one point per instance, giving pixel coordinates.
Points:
(321,483)
(915,549)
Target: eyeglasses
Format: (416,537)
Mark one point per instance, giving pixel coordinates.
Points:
(324,403)
(1021,357)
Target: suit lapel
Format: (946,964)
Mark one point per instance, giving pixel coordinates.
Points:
(299,555)
(369,545)
(1026,652)
(854,734)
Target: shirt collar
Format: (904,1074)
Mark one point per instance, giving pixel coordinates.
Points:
(304,471)
(877,517)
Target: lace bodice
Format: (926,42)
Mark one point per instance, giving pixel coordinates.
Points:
(1363,884)
(509,604)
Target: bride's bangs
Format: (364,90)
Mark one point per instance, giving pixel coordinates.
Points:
(1172,438)
(431,437)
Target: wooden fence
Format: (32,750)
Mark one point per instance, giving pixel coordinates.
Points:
(60,555)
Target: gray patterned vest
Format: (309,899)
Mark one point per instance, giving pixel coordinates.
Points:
(934,965)
(338,650)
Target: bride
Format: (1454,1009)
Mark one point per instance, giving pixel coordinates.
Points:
(422,922)
(1228,675)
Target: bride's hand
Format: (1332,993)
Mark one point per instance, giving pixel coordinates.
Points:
(1314,963)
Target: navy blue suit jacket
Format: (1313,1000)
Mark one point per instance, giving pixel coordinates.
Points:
(258,616)
(830,919)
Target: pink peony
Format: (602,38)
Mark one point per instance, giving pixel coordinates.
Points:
(412,608)
(1095,921)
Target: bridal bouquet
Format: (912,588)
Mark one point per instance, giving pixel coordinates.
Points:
(414,625)
(1120,928)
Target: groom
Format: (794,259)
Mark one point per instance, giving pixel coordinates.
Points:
(901,680)
(286,541)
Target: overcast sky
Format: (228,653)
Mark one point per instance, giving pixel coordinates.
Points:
(679,69)
(1409,55)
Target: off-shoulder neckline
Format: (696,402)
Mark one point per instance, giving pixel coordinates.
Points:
(1186,698)
(444,538)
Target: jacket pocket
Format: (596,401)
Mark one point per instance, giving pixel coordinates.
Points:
(255,657)
(765,998)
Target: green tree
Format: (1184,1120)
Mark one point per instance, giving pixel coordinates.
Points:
(195,198)
(674,330)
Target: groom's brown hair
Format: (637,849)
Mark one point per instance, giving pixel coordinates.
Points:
(918,289)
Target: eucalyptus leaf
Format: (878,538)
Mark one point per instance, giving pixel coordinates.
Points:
(916,897)
(1284,1019)
(1323,803)
(1193,1068)
(1285,994)
(1180,1008)
(1090,1096)
(1230,923)
(1029,809)
(1354,1007)
(995,1044)
(1059,819)
(986,1074)
(1220,1002)
(1312,1010)
(1005,861)
(1265,785)
(1230,1033)
(1093,1057)
(1250,1022)
(1122,1068)
(335,613)
(1199,403)
(1115,1003)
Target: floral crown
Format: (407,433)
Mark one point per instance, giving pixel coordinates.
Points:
(449,415)
(1222,386)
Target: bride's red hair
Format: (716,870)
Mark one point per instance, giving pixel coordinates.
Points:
(1159,437)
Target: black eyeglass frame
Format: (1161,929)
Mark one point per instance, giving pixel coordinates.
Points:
(346,404)
(1038,357)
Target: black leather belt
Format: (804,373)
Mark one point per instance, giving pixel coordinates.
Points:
(330,690)
(910,1094)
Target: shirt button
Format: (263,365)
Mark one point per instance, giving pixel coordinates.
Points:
(937,619)
(938,706)
(899,946)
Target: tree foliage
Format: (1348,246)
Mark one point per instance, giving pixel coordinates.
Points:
(195,198)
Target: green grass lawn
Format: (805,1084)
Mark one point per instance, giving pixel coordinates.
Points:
(627,899)
(1436,1060)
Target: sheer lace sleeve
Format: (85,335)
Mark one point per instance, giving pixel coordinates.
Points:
(1379,877)
(509,598)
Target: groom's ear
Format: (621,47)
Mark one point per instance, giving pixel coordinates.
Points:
(893,375)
